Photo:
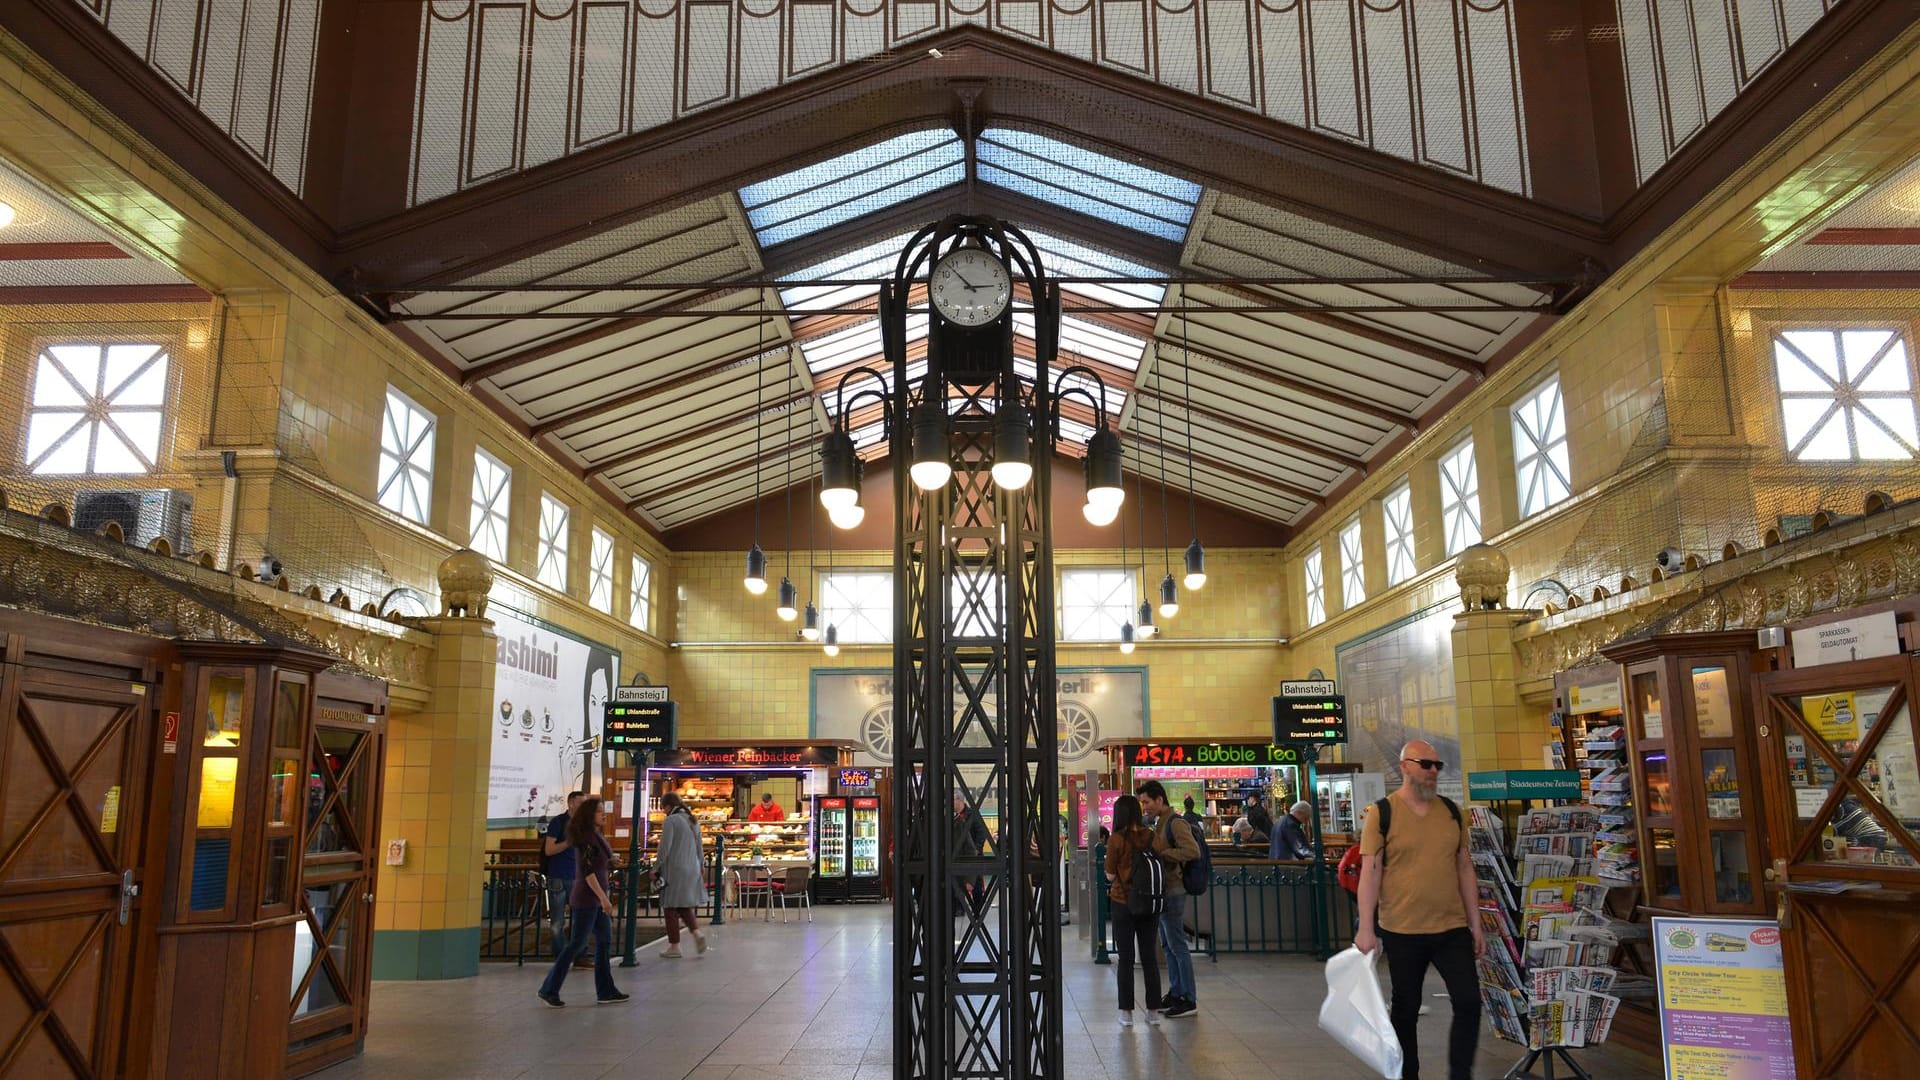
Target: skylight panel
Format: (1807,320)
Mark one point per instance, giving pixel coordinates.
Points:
(875,260)
(840,189)
(1116,397)
(854,344)
(1080,338)
(1064,258)
(1089,183)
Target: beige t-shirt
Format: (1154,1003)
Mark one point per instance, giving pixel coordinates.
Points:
(1420,889)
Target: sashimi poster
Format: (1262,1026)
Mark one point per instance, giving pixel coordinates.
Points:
(1723,999)
(548,686)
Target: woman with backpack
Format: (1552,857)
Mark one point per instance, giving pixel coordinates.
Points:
(1137,886)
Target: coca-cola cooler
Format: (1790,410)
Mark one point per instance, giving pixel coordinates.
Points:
(832,852)
(863,862)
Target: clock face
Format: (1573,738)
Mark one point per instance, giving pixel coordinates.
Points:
(970,287)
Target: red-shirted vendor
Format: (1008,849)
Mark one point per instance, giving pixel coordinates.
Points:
(766,810)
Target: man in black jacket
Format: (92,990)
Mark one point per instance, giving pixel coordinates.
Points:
(969,841)
(1290,839)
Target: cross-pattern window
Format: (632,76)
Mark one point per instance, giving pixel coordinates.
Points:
(640,594)
(1460,498)
(1397,511)
(406,457)
(1093,604)
(974,601)
(1316,595)
(1353,580)
(1846,395)
(859,605)
(1540,448)
(492,495)
(600,572)
(551,569)
(97,409)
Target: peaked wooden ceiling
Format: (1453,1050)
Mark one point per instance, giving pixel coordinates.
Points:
(1323,303)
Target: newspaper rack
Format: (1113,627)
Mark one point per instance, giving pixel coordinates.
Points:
(1546,978)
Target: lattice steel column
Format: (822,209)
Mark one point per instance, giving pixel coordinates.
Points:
(977,937)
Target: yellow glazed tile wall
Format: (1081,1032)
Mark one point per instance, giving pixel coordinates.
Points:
(435,789)
(303,382)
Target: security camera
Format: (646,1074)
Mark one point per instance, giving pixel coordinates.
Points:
(270,568)
(1670,560)
(935,53)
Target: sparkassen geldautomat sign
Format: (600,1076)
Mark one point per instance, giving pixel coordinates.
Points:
(1211,754)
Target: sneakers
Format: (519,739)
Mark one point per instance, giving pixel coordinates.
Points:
(1126,1017)
(1153,1018)
(616,999)
(671,952)
(1178,1007)
(553,1001)
(699,943)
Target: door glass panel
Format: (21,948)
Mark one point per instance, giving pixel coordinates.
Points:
(1852,832)
(1712,704)
(337,828)
(1732,875)
(1646,699)
(226,711)
(1665,866)
(326,932)
(1653,766)
(288,716)
(283,791)
(273,892)
(209,889)
(1720,779)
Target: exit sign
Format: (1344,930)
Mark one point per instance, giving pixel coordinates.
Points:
(1319,718)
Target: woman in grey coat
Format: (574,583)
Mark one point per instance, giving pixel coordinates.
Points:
(682,875)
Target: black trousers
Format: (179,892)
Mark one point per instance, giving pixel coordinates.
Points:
(1137,935)
(1408,956)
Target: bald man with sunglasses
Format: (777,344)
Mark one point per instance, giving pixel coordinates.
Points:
(1417,898)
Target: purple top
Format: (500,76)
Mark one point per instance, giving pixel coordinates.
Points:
(593,864)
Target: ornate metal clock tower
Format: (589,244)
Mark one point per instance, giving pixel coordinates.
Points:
(977,893)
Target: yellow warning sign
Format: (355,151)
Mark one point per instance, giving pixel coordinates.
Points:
(1835,717)
(110,811)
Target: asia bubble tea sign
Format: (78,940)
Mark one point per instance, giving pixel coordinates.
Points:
(1723,999)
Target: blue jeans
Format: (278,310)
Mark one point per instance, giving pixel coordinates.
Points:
(1173,935)
(583,918)
(558,890)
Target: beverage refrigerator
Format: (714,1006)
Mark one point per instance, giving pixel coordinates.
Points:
(831,852)
(863,880)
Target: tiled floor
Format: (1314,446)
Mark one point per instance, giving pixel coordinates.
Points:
(807,1001)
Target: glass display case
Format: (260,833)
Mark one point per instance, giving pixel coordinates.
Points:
(1691,743)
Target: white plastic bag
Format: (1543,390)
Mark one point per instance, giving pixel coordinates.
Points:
(1355,1013)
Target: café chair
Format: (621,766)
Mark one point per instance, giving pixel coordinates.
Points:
(794,884)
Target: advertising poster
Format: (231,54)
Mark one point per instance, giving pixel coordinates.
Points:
(1398,683)
(1092,704)
(547,690)
(1723,999)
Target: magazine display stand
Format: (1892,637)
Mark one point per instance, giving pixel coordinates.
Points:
(1547,980)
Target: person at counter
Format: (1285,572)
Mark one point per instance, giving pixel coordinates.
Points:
(1199,823)
(1290,839)
(766,809)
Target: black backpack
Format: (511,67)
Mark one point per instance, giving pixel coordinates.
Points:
(1198,873)
(1384,809)
(1147,894)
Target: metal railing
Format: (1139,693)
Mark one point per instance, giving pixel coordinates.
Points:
(515,912)
(1256,906)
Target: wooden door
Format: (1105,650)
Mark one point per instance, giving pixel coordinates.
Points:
(334,939)
(1844,806)
(73,761)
